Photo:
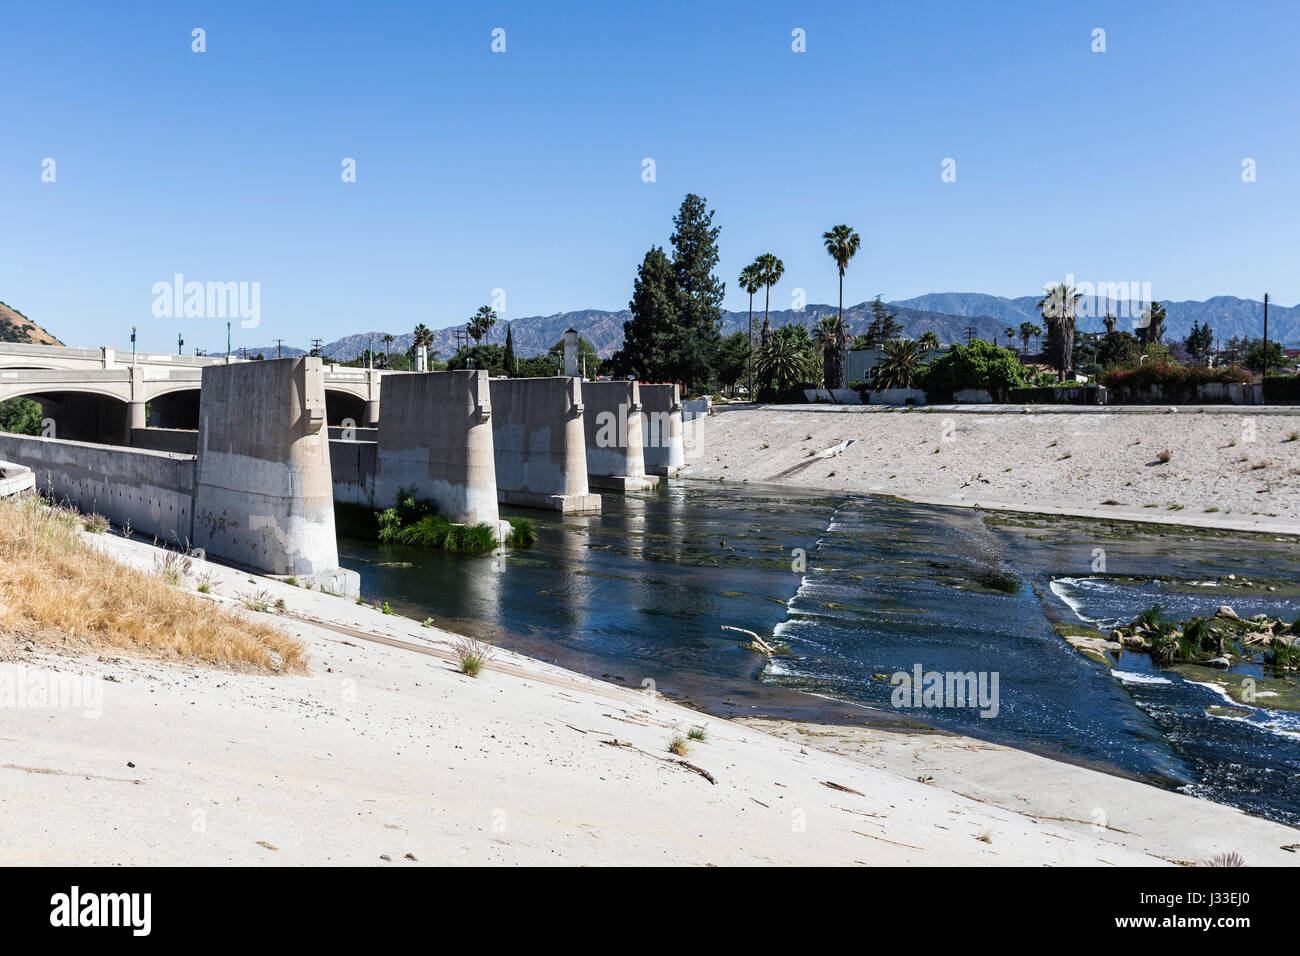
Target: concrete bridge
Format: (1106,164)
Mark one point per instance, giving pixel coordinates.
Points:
(246,460)
(98,395)
(257,491)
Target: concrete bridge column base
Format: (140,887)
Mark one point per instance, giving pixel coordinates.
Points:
(623,483)
(263,493)
(566,504)
(612,421)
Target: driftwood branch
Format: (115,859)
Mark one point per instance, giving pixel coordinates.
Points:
(758,641)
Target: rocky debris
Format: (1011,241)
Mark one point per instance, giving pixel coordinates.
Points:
(1226,612)
(1219,662)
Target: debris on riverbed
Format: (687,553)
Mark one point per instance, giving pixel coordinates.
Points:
(1219,641)
(756,643)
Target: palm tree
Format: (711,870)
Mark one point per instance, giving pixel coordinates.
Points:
(842,244)
(1037,332)
(481,323)
(1057,305)
(782,363)
(1152,328)
(751,280)
(825,334)
(388,348)
(770,269)
(423,338)
(1026,333)
(929,340)
(1011,336)
(899,366)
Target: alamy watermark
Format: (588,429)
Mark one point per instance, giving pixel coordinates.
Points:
(25,688)
(936,689)
(179,299)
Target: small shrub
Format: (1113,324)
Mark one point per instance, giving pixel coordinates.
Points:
(1164,456)
(174,567)
(522,532)
(259,601)
(677,745)
(1152,619)
(471,655)
(697,733)
(95,524)
(1282,656)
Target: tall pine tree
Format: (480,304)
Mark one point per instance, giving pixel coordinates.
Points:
(699,293)
(650,335)
(509,362)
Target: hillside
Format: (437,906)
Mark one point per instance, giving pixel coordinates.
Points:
(16,327)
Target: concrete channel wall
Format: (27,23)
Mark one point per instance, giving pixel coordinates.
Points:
(612,425)
(152,491)
(352,465)
(180,441)
(661,429)
(539,447)
(435,433)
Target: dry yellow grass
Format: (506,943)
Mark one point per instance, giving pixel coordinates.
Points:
(56,587)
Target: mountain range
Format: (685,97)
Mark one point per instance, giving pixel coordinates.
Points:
(947,314)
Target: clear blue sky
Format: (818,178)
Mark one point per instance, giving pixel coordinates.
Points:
(522,170)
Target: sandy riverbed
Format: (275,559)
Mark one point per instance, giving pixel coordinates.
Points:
(384,750)
(1230,469)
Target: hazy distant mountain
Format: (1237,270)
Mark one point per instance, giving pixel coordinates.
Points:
(947,314)
(1227,315)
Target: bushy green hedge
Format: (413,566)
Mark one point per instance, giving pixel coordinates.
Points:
(1283,389)
(980,365)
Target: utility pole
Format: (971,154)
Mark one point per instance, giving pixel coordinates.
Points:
(278,343)
(133,345)
(1264,360)
(227,339)
(315,347)
(180,344)
(970,333)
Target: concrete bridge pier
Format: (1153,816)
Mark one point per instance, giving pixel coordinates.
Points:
(661,429)
(539,445)
(612,425)
(436,434)
(135,416)
(263,495)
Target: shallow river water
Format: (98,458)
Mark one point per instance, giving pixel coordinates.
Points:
(864,588)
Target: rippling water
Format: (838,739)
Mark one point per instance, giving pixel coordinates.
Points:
(863,588)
